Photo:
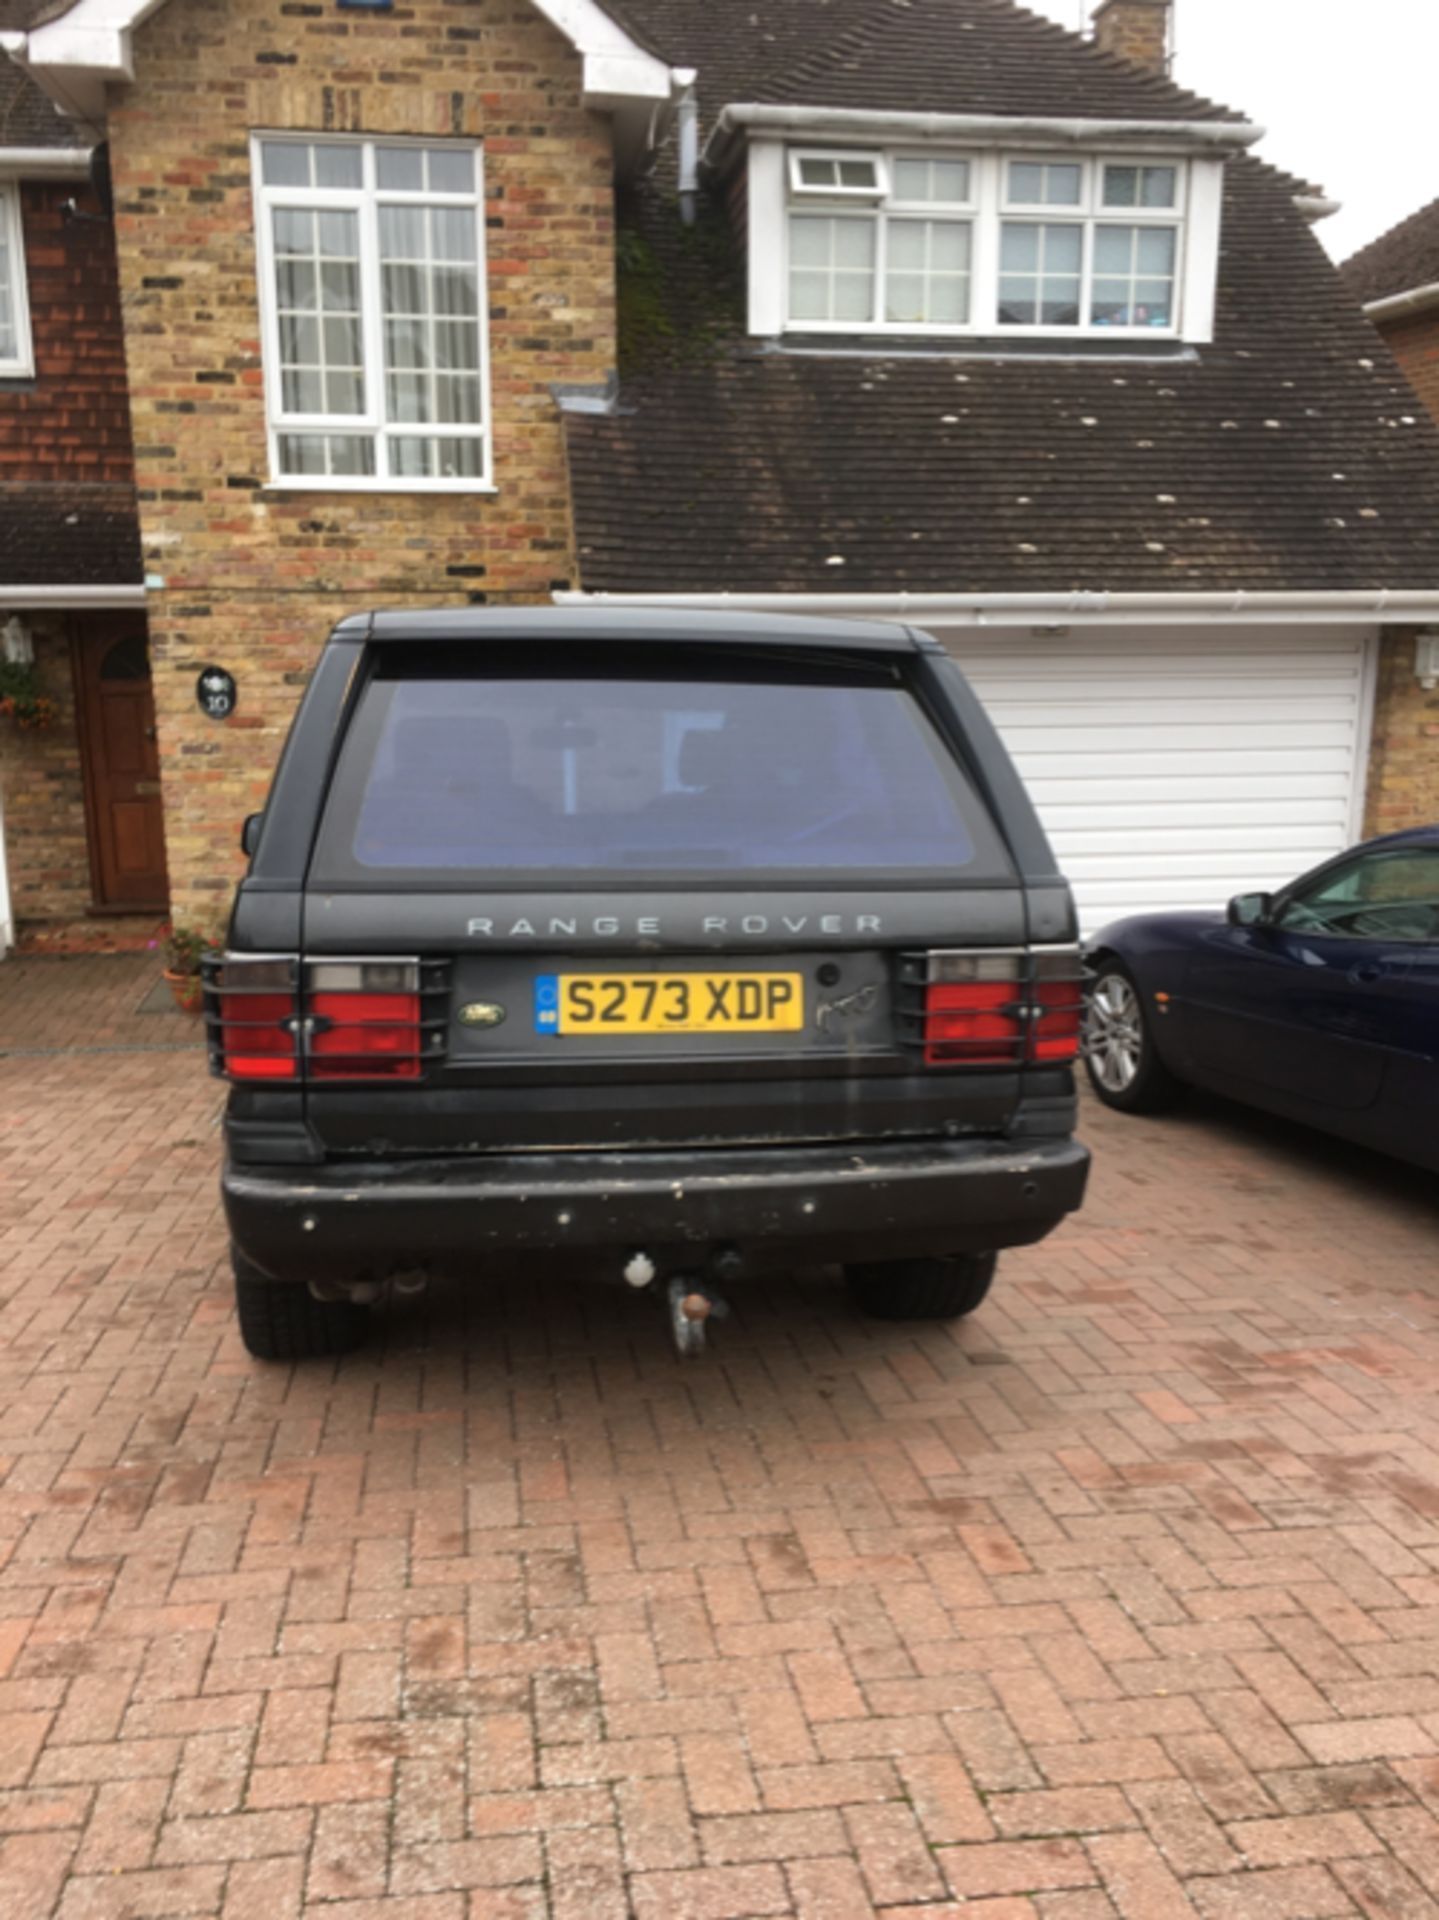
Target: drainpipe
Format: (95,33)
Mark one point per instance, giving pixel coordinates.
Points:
(688,117)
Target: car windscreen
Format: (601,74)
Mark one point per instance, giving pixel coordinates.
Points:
(587,773)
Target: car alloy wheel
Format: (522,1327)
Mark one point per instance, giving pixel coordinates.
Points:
(1114,1033)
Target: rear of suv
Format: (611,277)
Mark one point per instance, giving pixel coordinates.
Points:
(679,948)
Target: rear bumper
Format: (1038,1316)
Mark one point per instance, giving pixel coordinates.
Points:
(775,1206)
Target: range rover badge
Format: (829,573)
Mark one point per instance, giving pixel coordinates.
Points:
(481,1013)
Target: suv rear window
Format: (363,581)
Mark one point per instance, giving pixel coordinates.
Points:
(591,773)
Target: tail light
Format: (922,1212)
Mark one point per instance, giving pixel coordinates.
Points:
(252,1010)
(994,1007)
(364,1020)
(270,1019)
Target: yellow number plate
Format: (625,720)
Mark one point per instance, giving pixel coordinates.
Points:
(599,1003)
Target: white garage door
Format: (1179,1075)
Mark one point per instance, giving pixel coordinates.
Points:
(1175,767)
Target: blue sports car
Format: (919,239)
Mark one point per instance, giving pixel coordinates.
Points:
(1320,1003)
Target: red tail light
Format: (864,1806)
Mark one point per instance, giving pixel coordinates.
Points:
(996,1007)
(254,1014)
(355,1020)
(365,1036)
(970,1024)
(1054,1032)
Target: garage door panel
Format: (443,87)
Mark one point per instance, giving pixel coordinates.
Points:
(1211,698)
(1235,841)
(1175,767)
(1202,817)
(1276,792)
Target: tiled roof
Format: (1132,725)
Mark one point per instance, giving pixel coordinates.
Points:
(1398,261)
(66,536)
(27,119)
(934,56)
(1289,454)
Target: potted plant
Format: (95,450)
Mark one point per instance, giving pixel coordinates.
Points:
(184,949)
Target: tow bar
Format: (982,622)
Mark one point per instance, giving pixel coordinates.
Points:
(691,1305)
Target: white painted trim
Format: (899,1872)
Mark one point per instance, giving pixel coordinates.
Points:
(364,202)
(767,223)
(21,364)
(44,163)
(981,129)
(1367,607)
(119,596)
(1193,218)
(1364,737)
(1395,305)
(1199,287)
(91,45)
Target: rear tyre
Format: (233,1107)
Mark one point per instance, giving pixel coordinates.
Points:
(921,1289)
(1120,1054)
(287,1322)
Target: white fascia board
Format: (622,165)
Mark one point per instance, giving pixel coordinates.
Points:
(1395,305)
(41,598)
(1365,608)
(983,129)
(92,43)
(44,163)
(1199,283)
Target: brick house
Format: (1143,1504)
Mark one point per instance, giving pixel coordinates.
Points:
(920,306)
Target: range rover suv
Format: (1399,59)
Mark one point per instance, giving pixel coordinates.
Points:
(677,947)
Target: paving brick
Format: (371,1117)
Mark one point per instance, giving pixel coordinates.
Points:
(543,1628)
(1015,1866)
(710,1893)
(1137,1879)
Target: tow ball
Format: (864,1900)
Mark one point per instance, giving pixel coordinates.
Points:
(692,1305)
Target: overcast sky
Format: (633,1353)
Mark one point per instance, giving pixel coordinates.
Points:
(1348,90)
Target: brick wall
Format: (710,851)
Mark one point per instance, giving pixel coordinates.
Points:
(44,801)
(1415,345)
(1134,30)
(71,421)
(254,576)
(1404,755)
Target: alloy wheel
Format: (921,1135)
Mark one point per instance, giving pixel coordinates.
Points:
(1114,1033)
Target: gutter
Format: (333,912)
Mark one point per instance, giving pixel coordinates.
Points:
(127,595)
(1394,305)
(990,129)
(1365,607)
(45,163)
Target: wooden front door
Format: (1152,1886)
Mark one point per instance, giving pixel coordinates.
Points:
(122,766)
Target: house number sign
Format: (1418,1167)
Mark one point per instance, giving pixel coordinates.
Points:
(215,690)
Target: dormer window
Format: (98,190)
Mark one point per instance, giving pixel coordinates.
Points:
(900,240)
(15,354)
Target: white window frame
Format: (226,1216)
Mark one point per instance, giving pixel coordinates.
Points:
(21,364)
(802,190)
(365,200)
(1194,217)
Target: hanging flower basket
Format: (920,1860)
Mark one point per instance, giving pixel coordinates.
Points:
(22,701)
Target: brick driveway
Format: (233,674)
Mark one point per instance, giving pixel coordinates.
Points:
(1121,1598)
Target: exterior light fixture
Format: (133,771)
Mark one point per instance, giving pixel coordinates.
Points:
(17,642)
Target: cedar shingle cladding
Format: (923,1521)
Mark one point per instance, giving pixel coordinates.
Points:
(1289,454)
(67,494)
